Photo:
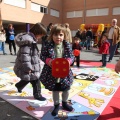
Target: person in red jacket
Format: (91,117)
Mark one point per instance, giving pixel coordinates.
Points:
(104,49)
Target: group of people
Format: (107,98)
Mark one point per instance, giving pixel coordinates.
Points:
(27,65)
(86,37)
(9,36)
(56,43)
(108,41)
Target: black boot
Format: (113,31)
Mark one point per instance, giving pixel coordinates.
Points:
(66,106)
(37,90)
(55,111)
(20,85)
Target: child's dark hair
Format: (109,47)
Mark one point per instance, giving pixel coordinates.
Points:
(106,35)
(50,24)
(77,38)
(57,28)
(38,29)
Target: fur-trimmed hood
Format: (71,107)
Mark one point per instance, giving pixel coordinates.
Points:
(25,39)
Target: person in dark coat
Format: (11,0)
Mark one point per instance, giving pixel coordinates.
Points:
(57,47)
(11,37)
(89,37)
(48,29)
(104,49)
(76,46)
(79,34)
(27,64)
(83,40)
(104,32)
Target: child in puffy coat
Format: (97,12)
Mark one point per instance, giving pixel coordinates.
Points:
(27,64)
(104,49)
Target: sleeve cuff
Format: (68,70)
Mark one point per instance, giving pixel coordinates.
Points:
(69,59)
(47,60)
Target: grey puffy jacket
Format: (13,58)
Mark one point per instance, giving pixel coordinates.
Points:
(27,57)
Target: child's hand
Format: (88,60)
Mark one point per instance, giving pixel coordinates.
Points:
(69,62)
(50,63)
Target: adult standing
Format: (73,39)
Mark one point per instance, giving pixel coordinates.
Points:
(68,33)
(79,34)
(2,40)
(89,37)
(113,38)
(83,35)
(11,37)
(104,32)
(48,29)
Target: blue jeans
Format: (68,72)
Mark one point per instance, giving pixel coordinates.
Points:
(88,39)
(112,49)
(84,44)
(104,59)
(2,44)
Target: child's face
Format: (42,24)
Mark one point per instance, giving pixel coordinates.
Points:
(58,38)
(104,38)
(51,26)
(77,41)
(10,27)
(38,36)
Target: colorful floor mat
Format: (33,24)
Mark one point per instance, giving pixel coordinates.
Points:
(92,90)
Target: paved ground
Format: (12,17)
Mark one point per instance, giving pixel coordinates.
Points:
(8,111)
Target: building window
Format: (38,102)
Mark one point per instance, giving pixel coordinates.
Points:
(70,14)
(97,12)
(43,9)
(78,13)
(35,7)
(116,11)
(73,32)
(91,12)
(74,14)
(18,3)
(38,8)
(102,12)
(54,13)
